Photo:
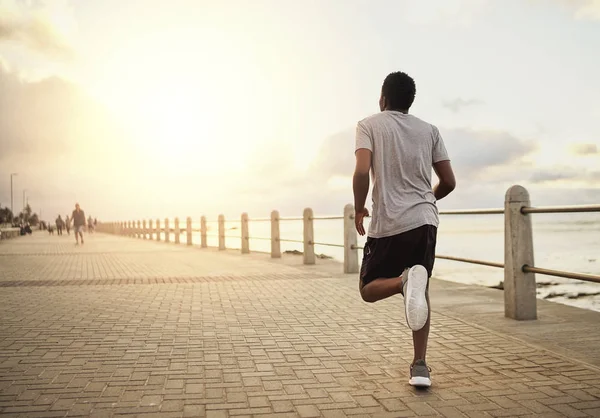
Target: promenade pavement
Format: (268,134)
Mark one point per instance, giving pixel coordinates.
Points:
(125,327)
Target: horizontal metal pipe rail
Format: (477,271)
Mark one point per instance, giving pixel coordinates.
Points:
(561,209)
(566,274)
(291,240)
(471,261)
(472,212)
(328,245)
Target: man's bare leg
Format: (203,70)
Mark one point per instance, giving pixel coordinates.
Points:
(380,289)
(383,288)
(421,336)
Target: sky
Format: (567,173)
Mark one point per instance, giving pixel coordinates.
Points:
(148,108)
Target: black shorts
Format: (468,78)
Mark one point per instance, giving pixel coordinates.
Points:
(389,256)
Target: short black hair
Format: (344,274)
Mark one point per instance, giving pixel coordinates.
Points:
(399,90)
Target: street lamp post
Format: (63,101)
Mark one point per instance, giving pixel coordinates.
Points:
(11,192)
(24,191)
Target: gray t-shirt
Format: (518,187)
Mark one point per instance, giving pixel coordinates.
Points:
(404,150)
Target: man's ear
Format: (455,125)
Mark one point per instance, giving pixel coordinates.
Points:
(382,103)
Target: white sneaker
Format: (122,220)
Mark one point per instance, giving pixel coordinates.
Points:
(415,302)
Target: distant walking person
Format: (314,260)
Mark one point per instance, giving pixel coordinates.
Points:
(90,225)
(400,151)
(59,225)
(78,218)
(68,224)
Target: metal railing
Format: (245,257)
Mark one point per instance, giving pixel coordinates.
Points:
(519,267)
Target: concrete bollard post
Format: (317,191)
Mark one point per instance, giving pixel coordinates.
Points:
(309,234)
(275,236)
(350,241)
(203,242)
(177,231)
(245,235)
(158,231)
(139,229)
(221,232)
(167,239)
(519,287)
(150,230)
(144,229)
(188,231)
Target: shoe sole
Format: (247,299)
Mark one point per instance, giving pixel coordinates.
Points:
(415,302)
(420,381)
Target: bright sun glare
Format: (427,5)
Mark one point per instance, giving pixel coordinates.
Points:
(172,88)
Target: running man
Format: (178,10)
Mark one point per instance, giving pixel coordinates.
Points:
(78,218)
(400,150)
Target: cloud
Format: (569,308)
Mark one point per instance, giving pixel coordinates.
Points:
(457,105)
(47,117)
(473,151)
(581,9)
(336,155)
(60,141)
(552,175)
(585,149)
(587,9)
(40,26)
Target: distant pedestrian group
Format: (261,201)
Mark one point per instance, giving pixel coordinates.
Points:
(77,220)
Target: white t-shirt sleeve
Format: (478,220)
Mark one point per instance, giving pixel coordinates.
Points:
(364,139)
(439,149)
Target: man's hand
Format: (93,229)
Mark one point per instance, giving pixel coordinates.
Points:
(359,216)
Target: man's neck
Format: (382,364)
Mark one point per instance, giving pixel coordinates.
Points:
(397,110)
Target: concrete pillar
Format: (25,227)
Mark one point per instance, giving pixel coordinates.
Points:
(519,287)
(177,231)
(167,239)
(309,237)
(275,236)
(245,234)
(350,241)
(158,229)
(221,232)
(150,230)
(144,229)
(203,242)
(188,230)
(138,230)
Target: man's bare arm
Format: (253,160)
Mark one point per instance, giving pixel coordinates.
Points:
(447,182)
(360,181)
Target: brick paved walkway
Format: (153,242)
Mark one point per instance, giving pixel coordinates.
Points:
(127,327)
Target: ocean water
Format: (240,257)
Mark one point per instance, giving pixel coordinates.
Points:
(569,242)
